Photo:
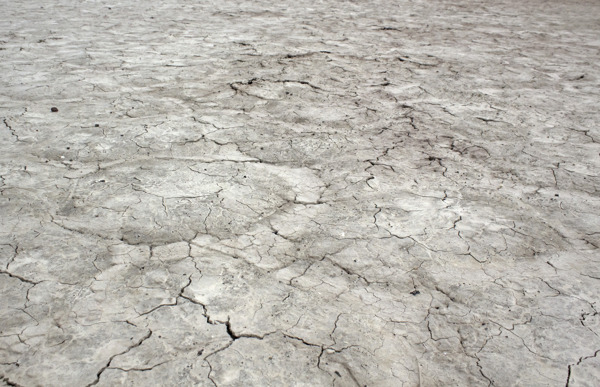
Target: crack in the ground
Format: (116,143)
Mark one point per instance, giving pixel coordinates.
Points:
(135,345)
(20,278)
(9,382)
(143,369)
(12,131)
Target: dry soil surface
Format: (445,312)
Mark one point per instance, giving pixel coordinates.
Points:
(300,193)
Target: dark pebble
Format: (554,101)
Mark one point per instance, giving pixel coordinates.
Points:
(54,109)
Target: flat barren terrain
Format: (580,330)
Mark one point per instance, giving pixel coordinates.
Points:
(300,193)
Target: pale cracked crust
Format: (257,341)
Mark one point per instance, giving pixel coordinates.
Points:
(381,193)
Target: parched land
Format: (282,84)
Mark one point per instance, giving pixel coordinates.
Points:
(300,193)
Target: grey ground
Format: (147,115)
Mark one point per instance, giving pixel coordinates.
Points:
(300,193)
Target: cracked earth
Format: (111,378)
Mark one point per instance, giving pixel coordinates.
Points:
(340,193)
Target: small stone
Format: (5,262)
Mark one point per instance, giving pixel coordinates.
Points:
(53,109)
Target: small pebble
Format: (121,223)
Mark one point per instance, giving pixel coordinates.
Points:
(54,109)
